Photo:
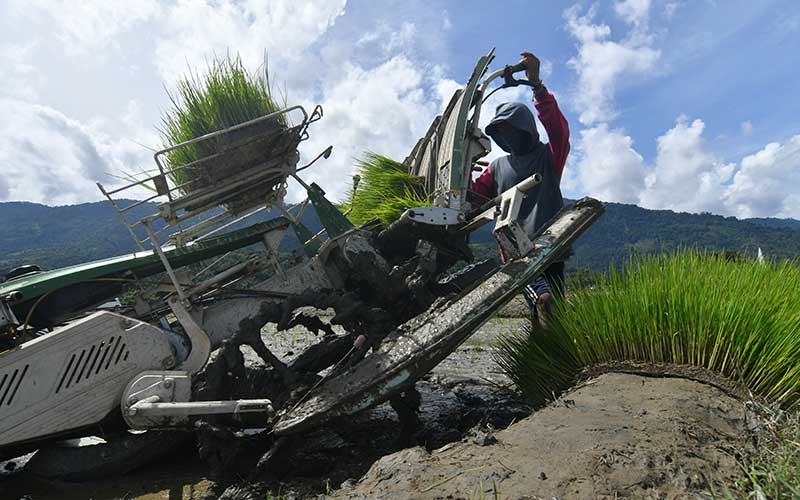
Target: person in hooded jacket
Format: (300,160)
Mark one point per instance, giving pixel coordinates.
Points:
(514,129)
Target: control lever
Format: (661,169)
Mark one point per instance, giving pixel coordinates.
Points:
(522,187)
(508,75)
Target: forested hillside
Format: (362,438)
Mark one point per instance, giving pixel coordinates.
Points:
(59,236)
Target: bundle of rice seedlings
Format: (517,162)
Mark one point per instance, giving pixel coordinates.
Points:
(740,320)
(385,190)
(224,96)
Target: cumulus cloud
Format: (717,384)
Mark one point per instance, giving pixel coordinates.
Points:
(634,12)
(18,78)
(53,161)
(193,31)
(768,182)
(608,166)
(601,62)
(686,176)
(390,39)
(382,109)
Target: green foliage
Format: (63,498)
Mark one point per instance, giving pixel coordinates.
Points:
(385,190)
(59,236)
(226,95)
(738,319)
(626,230)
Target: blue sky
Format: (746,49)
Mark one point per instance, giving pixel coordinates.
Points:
(684,105)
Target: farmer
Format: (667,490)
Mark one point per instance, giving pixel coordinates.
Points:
(514,129)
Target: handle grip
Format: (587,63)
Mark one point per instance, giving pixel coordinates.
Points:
(520,66)
(529,183)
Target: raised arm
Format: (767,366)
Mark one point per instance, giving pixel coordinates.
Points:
(551,117)
(556,126)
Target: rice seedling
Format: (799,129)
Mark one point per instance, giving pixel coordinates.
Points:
(227,94)
(385,190)
(738,319)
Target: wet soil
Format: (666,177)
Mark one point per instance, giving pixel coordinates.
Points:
(618,435)
(615,436)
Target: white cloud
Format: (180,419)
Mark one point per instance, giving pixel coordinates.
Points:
(746,127)
(382,109)
(768,182)
(54,160)
(634,12)
(18,78)
(686,176)
(447,24)
(607,165)
(601,62)
(87,26)
(390,39)
(670,8)
(193,31)
(382,105)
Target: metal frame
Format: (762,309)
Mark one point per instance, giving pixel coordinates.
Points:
(204,199)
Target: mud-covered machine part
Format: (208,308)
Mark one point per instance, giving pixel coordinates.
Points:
(75,370)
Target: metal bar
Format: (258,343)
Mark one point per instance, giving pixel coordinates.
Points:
(203,208)
(224,275)
(301,181)
(229,224)
(242,179)
(121,217)
(303,208)
(149,408)
(216,261)
(202,225)
(140,202)
(211,135)
(227,130)
(164,260)
(128,186)
(313,238)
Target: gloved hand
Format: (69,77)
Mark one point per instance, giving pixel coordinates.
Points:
(532,65)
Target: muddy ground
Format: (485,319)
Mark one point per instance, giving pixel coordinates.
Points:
(616,436)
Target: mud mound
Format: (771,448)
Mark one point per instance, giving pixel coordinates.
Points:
(617,436)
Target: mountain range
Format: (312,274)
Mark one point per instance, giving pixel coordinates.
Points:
(53,237)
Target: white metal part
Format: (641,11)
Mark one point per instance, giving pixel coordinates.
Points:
(510,201)
(512,238)
(74,376)
(200,343)
(435,216)
(180,411)
(159,399)
(155,386)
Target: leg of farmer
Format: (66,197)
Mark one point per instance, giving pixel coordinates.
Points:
(541,292)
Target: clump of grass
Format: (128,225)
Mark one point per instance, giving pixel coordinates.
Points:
(227,94)
(739,319)
(385,190)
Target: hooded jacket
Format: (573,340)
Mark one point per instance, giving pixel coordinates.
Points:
(514,129)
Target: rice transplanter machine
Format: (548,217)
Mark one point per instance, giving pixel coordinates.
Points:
(170,359)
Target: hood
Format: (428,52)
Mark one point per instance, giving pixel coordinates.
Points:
(521,137)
